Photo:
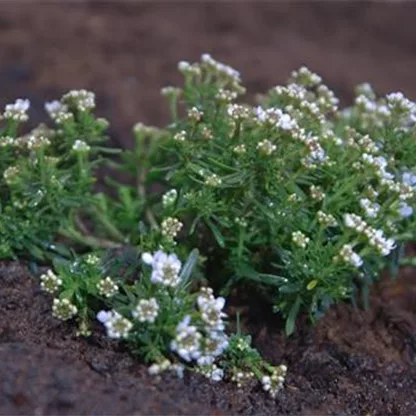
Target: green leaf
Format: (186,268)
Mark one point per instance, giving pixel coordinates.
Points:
(217,233)
(291,319)
(189,266)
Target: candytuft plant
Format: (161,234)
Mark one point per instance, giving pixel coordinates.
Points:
(301,201)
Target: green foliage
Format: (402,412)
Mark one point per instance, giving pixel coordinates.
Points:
(47,174)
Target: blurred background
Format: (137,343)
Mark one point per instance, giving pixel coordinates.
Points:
(125,51)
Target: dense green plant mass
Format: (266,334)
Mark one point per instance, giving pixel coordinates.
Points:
(295,194)
(46,174)
(303,201)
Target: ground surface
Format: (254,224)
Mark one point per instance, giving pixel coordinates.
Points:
(354,362)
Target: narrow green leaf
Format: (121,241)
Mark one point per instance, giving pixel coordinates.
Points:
(291,319)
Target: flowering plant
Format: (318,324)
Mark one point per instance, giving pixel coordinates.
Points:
(153,309)
(294,195)
(47,174)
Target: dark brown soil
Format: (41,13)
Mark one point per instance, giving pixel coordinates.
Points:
(353,362)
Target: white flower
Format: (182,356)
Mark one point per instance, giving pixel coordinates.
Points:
(187,341)
(213,180)
(117,326)
(348,255)
(50,282)
(166,268)
(63,309)
(18,110)
(300,239)
(146,310)
(409,179)
(104,316)
(371,208)
(147,258)
(211,312)
(80,146)
(171,227)
(169,197)
(266,147)
(405,210)
(107,287)
(82,99)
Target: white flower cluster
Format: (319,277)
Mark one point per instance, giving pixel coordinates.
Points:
(213,180)
(316,154)
(211,309)
(58,112)
(375,237)
(300,239)
(195,115)
(187,342)
(63,309)
(7,141)
(240,149)
(225,96)
(326,219)
(146,310)
(266,147)
(116,325)
(238,112)
(220,68)
(169,197)
(317,193)
(171,227)
(82,99)
(170,91)
(186,68)
(165,268)
(274,383)
(275,117)
(398,102)
(166,365)
(34,142)
(304,76)
(17,111)
(371,209)
(49,282)
(348,255)
(107,287)
(10,174)
(80,146)
(180,136)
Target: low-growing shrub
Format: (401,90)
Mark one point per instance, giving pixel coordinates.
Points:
(301,201)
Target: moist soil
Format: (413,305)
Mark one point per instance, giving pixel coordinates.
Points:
(354,361)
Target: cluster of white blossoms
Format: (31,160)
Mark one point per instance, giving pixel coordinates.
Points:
(107,287)
(146,310)
(80,146)
(211,310)
(266,147)
(116,325)
(186,68)
(304,76)
(165,268)
(63,309)
(225,96)
(371,209)
(300,239)
(7,141)
(10,174)
(169,198)
(195,115)
(49,282)
(187,342)
(398,102)
(82,99)
(240,149)
(34,142)
(326,219)
(274,383)
(375,237)
(17,111)
(58,112)
(275,117)
(317,193)
(166,365)
(220,68)
(180,136)
(213,180)
(171,227)
(348,255)
(317,154)
(238,112)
